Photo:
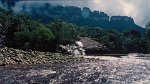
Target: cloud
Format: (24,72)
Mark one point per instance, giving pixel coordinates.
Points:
(138,9)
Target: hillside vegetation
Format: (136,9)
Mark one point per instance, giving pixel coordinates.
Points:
(81,17)
(23,32)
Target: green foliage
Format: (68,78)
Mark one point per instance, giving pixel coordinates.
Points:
(21,39)
(64,32)
(42,39)
(110,38)
(5,23)
(39,39)
(5,18)
(20,23)
(113,40)
(146,37)
(23,32)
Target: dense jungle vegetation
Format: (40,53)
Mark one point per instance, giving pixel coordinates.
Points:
(23,32)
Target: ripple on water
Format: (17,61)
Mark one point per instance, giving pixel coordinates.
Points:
(113,71)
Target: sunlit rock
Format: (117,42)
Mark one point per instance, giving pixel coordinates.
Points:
(133,54)
(74,49)
(79,43)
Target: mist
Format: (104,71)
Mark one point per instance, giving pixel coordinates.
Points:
(138,9)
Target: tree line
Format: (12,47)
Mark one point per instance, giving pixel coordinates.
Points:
(23,32)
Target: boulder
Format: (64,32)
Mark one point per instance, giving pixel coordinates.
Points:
(92,46)
(74,49)
(79,43)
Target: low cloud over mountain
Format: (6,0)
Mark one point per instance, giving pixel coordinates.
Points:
(138,9)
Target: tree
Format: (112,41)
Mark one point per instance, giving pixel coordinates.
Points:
(20,24)
(132,41)
(21,40)
(42,39)
(5,23)
(147,37)
(64,32)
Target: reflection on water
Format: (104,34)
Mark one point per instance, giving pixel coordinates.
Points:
(107,70)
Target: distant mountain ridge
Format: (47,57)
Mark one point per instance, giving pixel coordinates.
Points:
(81,17)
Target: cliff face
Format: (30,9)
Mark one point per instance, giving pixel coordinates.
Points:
(122,22)
(82,17)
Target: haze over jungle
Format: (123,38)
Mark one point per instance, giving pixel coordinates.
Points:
(80,14)
(138,9)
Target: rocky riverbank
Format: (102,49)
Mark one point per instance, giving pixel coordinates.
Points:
(10,56)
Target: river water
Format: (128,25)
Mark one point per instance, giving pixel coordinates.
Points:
(99,70)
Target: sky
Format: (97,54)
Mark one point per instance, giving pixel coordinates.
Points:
(137,9)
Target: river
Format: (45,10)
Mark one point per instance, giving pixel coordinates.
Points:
(99,70)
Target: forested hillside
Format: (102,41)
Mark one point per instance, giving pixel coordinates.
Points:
(23,32)
(81,17)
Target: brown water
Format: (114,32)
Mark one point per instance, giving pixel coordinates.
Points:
(102,70)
